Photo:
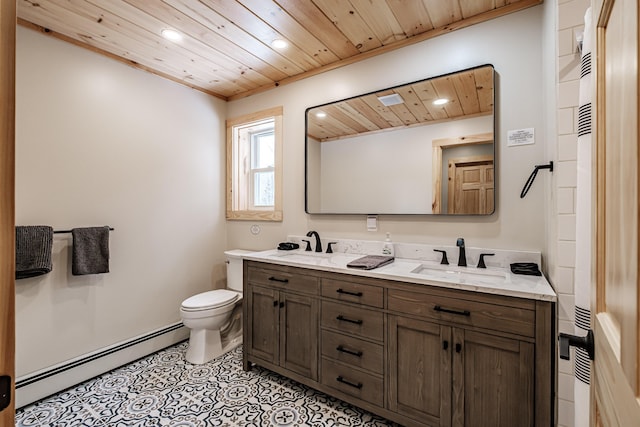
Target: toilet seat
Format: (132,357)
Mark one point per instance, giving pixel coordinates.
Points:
(209,300)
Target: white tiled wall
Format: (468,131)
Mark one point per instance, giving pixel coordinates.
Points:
(570,22)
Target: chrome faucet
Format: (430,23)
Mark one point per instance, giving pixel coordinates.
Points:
(462,257)
(318,242)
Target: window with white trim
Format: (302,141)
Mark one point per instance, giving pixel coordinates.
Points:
(254,162)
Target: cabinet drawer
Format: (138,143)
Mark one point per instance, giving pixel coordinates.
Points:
(353,320)
(354,383)
(287,280)
(482,315)
(352,351)
(353,292)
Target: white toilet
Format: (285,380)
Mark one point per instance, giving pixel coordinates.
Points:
(215,317)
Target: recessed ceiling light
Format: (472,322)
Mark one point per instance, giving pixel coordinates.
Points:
(321,114)
(279,44)
(440,101)
(393,99)
(170,34)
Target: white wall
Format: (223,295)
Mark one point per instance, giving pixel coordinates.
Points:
(384,172)
(513,45)
(100,143)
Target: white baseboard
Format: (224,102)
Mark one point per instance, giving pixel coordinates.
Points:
(51,380)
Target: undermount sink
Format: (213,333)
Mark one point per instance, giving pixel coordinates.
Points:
(311,257)
(300,255)
(460,273)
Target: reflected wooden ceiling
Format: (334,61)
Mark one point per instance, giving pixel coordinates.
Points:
(468,94)
(226,47)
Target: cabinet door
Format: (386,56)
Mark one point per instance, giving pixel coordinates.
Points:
(299,334)
(493,380)
(262,324)
(420,370)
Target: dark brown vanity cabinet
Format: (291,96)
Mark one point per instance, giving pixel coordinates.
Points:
(451,376)
(420,370)
(352,348)
(282,327)
(458,361)
(418,355)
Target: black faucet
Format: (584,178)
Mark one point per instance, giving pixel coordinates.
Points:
(462,257)
(318,242)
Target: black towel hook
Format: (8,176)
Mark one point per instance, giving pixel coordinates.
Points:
(532,177)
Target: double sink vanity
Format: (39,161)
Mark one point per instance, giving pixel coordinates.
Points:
(414,341)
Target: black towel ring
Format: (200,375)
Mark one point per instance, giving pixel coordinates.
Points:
(532,177)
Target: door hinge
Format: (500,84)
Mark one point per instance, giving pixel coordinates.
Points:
(5,391)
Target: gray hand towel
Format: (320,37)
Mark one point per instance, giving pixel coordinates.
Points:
(90,250)
(369,262)
(33,250)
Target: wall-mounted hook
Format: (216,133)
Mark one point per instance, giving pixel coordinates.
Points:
(532,177)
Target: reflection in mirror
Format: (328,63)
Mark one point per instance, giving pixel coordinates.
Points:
(393,151)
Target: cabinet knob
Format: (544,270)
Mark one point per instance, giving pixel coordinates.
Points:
(445,344)
(458,348)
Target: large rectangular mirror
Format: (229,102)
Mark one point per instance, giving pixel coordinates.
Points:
(422,148)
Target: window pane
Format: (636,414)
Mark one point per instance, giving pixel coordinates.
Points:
(263,194)
(263,150)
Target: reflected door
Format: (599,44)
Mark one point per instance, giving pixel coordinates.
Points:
(471,186)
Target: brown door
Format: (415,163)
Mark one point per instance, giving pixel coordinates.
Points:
(616,368)
(7,232)
(420,370)
(470,186)
(299,334)
(493,380)
(262,328)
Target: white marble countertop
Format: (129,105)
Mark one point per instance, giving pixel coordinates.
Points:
(492,280)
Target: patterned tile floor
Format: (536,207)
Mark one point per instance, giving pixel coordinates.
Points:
(165,390)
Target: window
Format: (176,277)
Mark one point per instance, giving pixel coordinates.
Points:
(254,174)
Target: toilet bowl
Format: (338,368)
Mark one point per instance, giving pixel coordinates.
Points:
(215,317)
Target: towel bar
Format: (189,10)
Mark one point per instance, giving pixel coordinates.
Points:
(69,231)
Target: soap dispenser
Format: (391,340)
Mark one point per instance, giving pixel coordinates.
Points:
(387,249)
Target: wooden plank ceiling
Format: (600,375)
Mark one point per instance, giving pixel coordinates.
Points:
(469,94)
(226,49)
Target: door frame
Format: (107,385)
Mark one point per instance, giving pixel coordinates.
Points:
(7,200)
(616,366)
(438,145)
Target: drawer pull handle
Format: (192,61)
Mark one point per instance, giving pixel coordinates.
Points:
(355,294)
(343,381)
(344,350)
(275,279)
(345,319)
(445,344)
(448,310)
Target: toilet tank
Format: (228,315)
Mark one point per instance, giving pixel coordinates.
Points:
(234,268)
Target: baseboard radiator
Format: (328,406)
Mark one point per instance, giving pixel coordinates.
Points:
(51,380)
